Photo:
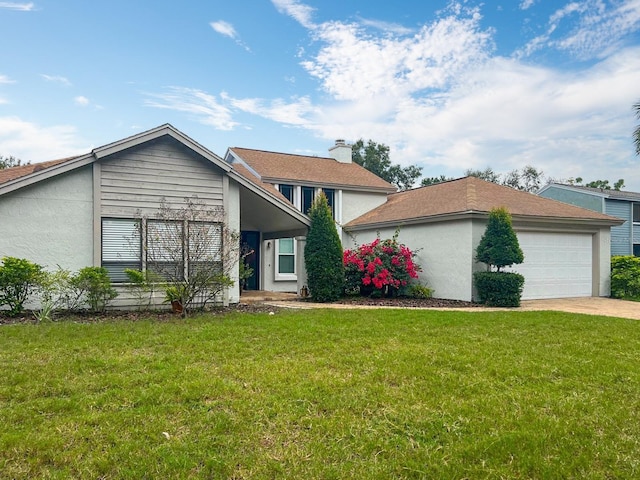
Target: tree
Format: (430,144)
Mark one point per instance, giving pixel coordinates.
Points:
(11,161)
(193,250)
(323,254)
(434,180)
(636,132)
(487,174)
(499,246)
(375,158)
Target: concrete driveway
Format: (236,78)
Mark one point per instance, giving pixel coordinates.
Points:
(589,305)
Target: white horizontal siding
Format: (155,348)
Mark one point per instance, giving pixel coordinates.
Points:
(135,181)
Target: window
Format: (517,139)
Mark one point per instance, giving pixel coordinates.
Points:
(636,213)
(165,249)
(308,193)
(286,259)
(330,193)
(636,249)
(121,247)
(287,191)
(205,246)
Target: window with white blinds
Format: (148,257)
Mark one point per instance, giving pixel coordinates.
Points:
(121,247)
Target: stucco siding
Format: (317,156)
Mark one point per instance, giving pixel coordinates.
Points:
(51,222)
(355,204)
(269,263)
(444,251)
(620,234)
(136,180)
(584,200)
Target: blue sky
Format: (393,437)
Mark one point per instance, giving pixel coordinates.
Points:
(448,85)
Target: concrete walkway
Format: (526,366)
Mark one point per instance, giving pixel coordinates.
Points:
(587,305)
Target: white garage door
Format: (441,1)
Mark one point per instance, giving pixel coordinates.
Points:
(555,265)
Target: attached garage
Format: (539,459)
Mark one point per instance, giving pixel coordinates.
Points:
(556,265)
(566,248)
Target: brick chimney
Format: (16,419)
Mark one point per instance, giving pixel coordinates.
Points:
(341,151)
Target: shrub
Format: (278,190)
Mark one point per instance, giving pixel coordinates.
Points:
(141,285)
(323,254)
(419,291)
(18,278)
(499,246)
(499,289)
(379,268)
(625,277)
(55,292)
(92,285)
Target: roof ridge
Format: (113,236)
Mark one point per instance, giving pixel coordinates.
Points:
(472,194)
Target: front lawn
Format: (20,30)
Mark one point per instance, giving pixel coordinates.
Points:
(323,394)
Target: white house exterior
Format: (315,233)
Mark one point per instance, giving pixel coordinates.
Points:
(566,248)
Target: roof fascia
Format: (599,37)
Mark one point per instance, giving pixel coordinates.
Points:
(342,186)
(472,214)
(572,189)
(237,158)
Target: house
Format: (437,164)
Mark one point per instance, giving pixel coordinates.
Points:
(566,248)
(625,238)
(351,191)
(84,210)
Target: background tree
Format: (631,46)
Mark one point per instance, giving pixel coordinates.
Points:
(323,254)
(434,180)
(603,184)
(487,174)
(636,132)
(375,158)
(10,161)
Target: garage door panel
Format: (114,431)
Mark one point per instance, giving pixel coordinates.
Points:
(555,265)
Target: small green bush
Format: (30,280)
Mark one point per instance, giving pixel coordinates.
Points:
(625,277)
(18,278)
(55,292)
(499,289)
(419,291)
(94,286)
(499,246)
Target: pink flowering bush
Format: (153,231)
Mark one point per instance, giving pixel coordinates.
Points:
(380,268)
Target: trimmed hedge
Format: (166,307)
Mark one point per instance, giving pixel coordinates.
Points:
(625,277)
(499,289)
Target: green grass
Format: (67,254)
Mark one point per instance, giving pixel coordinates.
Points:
(323,394)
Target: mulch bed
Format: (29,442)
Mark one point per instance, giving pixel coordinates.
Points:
(163,315)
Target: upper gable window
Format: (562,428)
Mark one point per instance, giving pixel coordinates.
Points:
(330,193)
(636,213)
(287,191)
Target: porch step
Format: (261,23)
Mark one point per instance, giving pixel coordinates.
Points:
(258,296)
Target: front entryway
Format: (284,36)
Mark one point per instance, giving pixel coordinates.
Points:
(250,242)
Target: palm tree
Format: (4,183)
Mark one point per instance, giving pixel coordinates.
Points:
(636,132)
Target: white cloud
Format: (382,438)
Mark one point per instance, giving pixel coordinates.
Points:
(526,4)
(205,108)
(23,7)
(35,143)
(5,80)
(588,28)
(81,101)
(389,27)
(298,11)
(224,28)
(227,30)
(56,79)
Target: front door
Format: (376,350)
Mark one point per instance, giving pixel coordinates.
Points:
(250,248)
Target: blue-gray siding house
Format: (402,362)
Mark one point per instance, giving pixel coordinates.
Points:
(625,238)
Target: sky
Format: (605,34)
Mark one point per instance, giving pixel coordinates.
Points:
(447,85)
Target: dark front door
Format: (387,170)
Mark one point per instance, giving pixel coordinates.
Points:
(250,244)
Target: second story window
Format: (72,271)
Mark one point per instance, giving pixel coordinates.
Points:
(636,213)
(330,193)
(308,193)
(287,191)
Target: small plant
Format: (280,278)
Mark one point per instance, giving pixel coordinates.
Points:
(244,270)
(625,277)
(141,285)
(419,291)
(499,289)
(55,292)
(18,278)
(92,285)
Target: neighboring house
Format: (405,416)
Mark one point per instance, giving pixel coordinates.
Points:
(84,211)
(625,238)
(566,248)
(351,190)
